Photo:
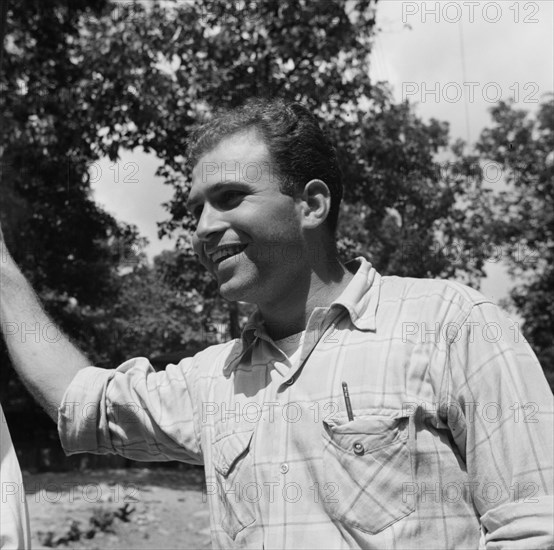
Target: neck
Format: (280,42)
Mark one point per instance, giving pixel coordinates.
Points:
(318,286)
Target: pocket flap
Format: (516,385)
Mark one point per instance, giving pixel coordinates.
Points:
(229,448)
(372,430)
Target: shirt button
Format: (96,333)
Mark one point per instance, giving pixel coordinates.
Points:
(284,468)
(290,381)
(358,448)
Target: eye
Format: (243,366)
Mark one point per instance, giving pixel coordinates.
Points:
(230,197)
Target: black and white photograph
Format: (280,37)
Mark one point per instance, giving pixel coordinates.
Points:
(277,274)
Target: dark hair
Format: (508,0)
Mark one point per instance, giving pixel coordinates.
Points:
(297,145)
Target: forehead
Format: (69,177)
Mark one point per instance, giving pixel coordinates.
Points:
(235,157)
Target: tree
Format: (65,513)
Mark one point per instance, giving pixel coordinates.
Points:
(146,75)
(67,246)
(85,79)
(172,67)
(159,309)
(523,224)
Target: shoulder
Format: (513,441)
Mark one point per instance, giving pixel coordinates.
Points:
(429,298)
(413,288)
(218,352)
(213,360)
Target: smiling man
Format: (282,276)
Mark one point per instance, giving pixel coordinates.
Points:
(266,242)
(355,411)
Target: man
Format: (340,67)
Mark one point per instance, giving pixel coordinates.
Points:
(335,420)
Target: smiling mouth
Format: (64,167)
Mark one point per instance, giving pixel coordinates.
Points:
(226,252)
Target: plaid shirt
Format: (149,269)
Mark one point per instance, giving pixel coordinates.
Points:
(450,445)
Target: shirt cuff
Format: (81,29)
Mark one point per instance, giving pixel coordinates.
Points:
(520,525)
(82,422)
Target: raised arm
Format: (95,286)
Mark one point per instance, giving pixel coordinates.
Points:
(42,355)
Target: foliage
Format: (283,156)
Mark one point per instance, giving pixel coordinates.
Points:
(159,310)
(172,67)
(100,522)
(407,212)
(68,247)
(85,79)
(523,224)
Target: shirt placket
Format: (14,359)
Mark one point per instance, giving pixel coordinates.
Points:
(281,510)
(271,441)
(272,444)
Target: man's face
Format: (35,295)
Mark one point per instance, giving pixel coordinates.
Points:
(248,231)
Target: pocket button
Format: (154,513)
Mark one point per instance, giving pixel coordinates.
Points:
(358,448)
(284,468)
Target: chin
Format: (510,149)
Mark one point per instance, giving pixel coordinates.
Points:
(234,292)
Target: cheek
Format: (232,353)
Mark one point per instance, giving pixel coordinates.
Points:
(279,224)
(277,249)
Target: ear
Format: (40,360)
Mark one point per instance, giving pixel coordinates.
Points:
(315,203)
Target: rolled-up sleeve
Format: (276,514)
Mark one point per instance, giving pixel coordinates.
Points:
(132,411)
(506,429)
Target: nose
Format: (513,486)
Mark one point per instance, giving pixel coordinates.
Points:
(210,224)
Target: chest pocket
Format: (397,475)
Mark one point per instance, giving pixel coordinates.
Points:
(368,462)
(233,467)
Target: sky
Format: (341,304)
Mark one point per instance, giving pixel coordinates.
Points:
(454,60)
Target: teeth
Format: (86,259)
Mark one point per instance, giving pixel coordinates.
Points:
(224,253)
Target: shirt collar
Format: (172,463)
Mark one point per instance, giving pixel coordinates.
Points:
(356,299)
(361,297)
(253,329)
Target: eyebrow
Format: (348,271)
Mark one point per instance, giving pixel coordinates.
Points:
(192,202)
